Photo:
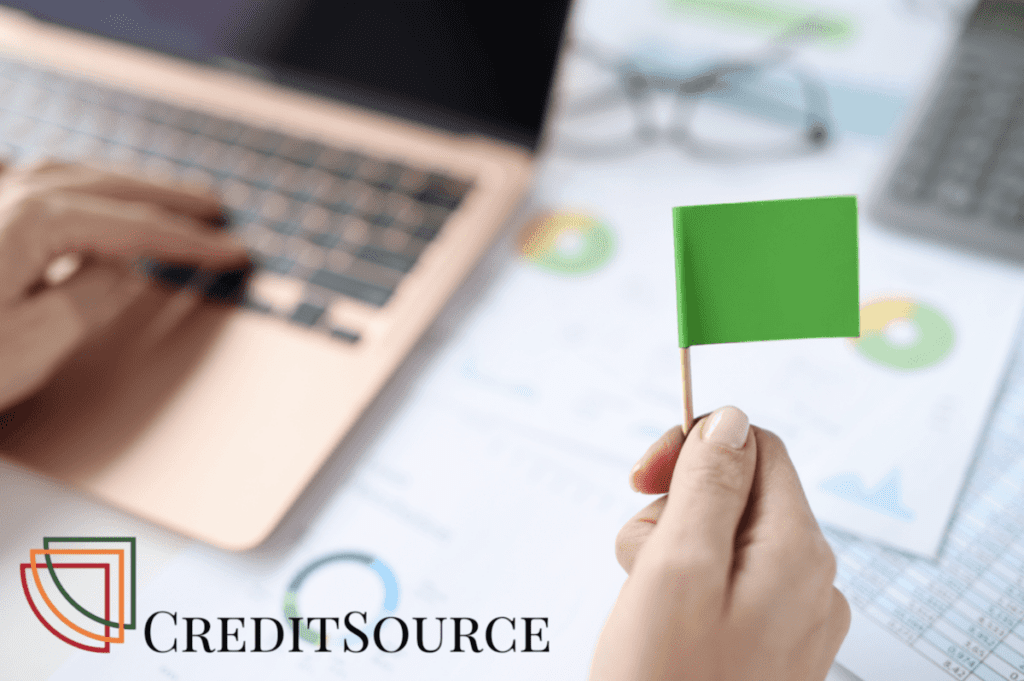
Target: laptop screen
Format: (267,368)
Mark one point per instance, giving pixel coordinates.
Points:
(461,65)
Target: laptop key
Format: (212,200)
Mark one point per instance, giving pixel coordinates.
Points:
(442,192)
(303,152)
(307,314)
(194,122)
(379,256)
(342,164)
(277,263)
(224,130)
(286,227)
(345,335)
(326,240)
(263,141)
(353,288)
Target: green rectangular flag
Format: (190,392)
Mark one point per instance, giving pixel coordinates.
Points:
(767,270)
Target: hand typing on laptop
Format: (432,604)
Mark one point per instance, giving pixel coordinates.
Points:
(729,574)
(108,223)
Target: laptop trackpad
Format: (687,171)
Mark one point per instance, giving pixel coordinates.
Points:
(104,397)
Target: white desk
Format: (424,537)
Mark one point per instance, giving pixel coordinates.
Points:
(623,191)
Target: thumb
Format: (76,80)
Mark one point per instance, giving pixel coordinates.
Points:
(47,328)
(710,488)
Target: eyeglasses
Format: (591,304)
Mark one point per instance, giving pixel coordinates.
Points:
(757,108)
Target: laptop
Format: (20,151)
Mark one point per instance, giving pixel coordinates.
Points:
(368,152)
(959,177)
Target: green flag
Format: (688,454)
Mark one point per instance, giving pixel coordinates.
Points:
(767,270)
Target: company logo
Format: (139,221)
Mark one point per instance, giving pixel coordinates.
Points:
(82,589)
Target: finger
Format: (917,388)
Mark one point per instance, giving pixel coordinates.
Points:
(840,620)
(67,223)
(709,489)
(36,337)
(47,328)
(833,632)
(194,201)
(653,472)
(100,293)
(170,316)
(779,513)
(635,532)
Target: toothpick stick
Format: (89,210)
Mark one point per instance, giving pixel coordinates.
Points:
(684,355)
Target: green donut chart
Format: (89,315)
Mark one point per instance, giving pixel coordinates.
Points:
(567,243)
(901,333)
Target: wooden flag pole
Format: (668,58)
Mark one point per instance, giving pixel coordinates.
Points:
(684,355)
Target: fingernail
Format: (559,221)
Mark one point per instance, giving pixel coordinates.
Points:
(728,426)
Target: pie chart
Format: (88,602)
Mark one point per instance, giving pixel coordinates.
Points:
(367,562)
(903,333)
(567,243)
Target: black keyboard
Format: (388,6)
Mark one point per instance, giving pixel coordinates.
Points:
(968,156)
(343,224)
(961,176)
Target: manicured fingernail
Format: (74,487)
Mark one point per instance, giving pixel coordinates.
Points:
(728,426)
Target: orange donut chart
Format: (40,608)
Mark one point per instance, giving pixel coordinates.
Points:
(567,243)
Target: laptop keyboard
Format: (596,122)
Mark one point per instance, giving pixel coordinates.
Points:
(330,229)
(967,159)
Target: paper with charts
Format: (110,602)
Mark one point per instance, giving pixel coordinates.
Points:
(961,616)
(882,428)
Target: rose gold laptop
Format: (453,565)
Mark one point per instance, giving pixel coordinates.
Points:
(369,153)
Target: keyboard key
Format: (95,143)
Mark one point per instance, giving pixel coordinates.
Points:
(307,314)
(157,111)
(286,227)
(263,141)
(313,218)
(342,164)
(354,288)
(325,239)
(238,195)
(383,176)
(395,261)
(355,231)
(340,260)
(194,122)
(303,152)
(955,195)
(338,197)
(224,130)
(441,191)
(310,185)
(380,219)
(278,263)
(345,335)
(307,254)
(393,239)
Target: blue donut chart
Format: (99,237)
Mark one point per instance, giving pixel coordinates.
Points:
(387,578)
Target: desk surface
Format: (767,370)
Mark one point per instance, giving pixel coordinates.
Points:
(431,478)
